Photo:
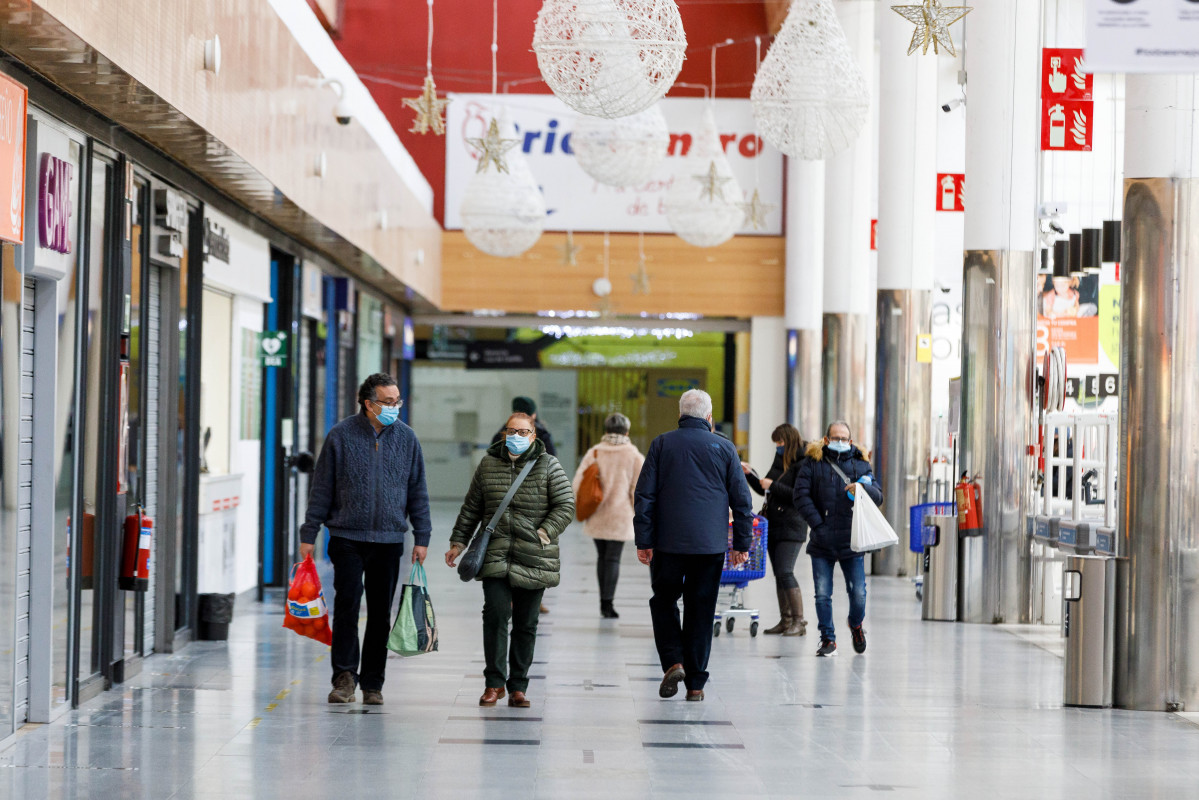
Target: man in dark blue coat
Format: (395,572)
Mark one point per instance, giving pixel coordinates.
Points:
(690,480)
(833,472)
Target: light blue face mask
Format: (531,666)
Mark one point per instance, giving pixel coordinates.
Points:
(388,414)
(839,447)
(517,444)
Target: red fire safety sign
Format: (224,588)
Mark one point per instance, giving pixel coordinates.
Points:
(951,188)
(1067,105)
(1063,76)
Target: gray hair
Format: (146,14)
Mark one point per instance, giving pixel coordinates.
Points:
(695,403)
(832,425)
(617,423)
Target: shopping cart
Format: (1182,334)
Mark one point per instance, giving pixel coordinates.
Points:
(921,534)
(737,578)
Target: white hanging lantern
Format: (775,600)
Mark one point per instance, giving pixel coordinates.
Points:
(624,151)
(609,58)
(503,213)
(810,99)
(702,204)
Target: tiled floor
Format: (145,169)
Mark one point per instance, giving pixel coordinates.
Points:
(932,710)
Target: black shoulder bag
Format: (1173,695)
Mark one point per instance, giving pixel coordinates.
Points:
(472,559)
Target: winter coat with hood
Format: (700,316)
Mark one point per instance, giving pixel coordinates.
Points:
(784,520)
(524,546)
(619,467)
(822,501)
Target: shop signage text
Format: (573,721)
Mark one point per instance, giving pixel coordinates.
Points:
(216,242)
(1142,36)
(54,204)
(13,102)
(170,212)
(502,355)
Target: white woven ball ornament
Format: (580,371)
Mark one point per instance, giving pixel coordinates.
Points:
(609,58)
(623,151)
(810,99)
(503,213)
(701,205)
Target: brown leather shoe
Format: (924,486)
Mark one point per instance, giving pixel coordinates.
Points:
(343,688)
(671,680)
(491,696)
(518,700)
(372,698)
(695,695)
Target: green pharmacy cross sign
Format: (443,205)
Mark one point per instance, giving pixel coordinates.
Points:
(272,347)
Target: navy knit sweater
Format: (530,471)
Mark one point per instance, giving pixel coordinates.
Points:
(366,487)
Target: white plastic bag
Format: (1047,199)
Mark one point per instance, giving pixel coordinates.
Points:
(871,531)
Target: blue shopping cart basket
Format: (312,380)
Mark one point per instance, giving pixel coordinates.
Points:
(737,578)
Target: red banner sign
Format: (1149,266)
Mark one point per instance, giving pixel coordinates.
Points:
(951,188)
(1062,75)
(1067,125)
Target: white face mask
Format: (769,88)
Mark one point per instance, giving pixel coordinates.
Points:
(839,447)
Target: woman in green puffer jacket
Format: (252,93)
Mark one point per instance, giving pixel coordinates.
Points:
(521,561)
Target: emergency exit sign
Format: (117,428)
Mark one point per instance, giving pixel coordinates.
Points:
(272,348)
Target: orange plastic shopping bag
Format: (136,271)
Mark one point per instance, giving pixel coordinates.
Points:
(306,612)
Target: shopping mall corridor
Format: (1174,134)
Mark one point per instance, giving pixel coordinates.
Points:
(932,710)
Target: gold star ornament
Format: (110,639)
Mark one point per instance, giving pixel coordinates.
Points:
(428,110)
(755,212)
(570,251)
(713,183)
(932,23)
(492,148)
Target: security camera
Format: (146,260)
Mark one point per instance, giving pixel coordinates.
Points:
(952,104)
(343,112)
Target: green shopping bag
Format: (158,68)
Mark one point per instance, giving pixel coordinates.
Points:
(415,628)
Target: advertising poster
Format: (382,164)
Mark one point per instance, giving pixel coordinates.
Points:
(1082,314)
(1142,36)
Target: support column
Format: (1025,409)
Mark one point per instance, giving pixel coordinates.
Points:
(847,297)
(907,97)
(1157,642)
(998,321)
(804,294)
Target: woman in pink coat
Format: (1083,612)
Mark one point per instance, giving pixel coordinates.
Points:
(612,523)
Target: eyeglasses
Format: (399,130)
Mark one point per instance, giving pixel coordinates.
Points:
(842,439)
(525,432)
(394,404)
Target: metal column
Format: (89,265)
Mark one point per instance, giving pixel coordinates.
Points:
(1157,643)
(998,323)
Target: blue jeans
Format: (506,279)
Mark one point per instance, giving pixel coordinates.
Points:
(854,570)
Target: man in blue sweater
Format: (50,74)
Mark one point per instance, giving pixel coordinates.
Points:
(368,484)
(690,480)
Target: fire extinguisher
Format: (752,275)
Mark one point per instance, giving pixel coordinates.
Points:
(135,568)
(970,510)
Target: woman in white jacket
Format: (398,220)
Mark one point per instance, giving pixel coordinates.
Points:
(611,525)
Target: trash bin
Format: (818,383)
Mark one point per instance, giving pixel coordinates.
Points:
(940,600)
(216,612)
(1089,621)
(971,607)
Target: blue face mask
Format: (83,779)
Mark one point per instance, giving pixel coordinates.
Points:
(387,415)
(839,447)
(517,444)
(778,448)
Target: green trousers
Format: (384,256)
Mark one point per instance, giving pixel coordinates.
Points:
(504,604)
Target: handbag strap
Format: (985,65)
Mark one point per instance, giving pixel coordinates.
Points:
(418,573)
(837,469)
(499,512)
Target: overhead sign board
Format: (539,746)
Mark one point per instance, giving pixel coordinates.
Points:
(576,201)
(1142,36)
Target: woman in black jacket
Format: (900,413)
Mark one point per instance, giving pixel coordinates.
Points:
(786,531)
(834,471)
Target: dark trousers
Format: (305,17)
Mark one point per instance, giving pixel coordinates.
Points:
(504,603)
(380,564)
(782,561)
(607,567)
(696,578)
